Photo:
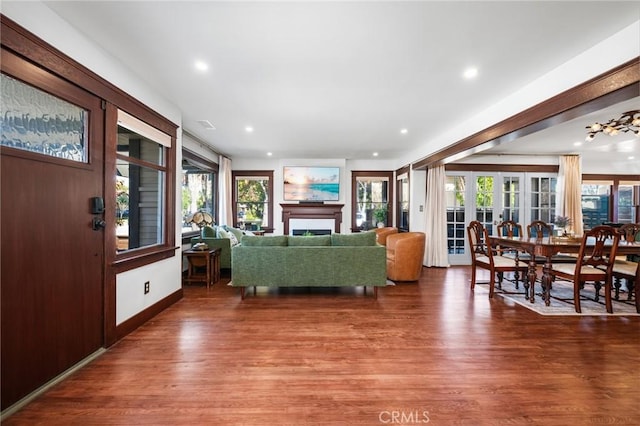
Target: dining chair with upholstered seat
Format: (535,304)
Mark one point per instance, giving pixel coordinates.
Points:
(510,229)
(484,256)
(539,229)
(629,269)
(594,264)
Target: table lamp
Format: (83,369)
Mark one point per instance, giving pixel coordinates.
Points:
(200,219)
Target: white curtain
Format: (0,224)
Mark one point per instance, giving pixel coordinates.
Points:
(225,188)
(569,191)
(436,253)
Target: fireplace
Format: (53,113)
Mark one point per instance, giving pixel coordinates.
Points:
(311,231)
(311,217)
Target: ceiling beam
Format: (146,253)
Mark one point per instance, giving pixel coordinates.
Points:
(616,85)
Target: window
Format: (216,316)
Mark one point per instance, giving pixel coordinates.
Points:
(609,199)
(33,120)
(252,200)
(402,189)
(627,204)
(141,176)
(543,198)
(371,199)
(198,189)
(595,204)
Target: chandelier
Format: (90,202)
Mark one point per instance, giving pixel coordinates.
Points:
(628,122)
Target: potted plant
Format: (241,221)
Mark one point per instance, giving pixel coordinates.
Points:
(563,222)
(380,214)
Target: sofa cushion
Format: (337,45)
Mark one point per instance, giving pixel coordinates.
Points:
(358,239)
(316,240)
(275,240)
(229,235)
(209,232)
(235,231)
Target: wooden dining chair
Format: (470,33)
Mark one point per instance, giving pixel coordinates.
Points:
(539,229)
(510,229)
(628,270)
(594,264)
(484,256)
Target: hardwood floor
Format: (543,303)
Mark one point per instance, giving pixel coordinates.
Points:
(432,352)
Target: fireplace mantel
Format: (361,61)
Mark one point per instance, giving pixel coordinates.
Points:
(312,211)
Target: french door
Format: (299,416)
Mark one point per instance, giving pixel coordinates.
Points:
(486,197)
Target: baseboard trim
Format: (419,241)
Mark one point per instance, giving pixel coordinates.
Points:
(60,377)
(137,320)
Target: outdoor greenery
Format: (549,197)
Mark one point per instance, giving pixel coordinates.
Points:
(252,196)
(484,191)
(372,201)
(122,202)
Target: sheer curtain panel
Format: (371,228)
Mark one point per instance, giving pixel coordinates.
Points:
(435,253)
(570,183)
(226,212)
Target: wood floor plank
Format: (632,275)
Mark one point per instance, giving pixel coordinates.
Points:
(429,352)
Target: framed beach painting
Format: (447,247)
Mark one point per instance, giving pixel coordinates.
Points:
(311,184)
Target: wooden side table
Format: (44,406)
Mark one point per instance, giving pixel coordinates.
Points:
(209,260)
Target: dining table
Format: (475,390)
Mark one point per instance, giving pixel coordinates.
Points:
(548,247)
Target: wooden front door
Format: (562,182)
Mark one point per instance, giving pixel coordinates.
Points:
(52,258)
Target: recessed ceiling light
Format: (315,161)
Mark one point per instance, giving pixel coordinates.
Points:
(578,143)
(470,73)
(269,154)
(375,154)
(248,129)
(201,66)
(404,131)
(631,157)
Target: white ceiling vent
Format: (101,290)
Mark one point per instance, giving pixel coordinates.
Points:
(207,124)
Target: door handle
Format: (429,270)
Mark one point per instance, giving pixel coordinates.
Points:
(98,223)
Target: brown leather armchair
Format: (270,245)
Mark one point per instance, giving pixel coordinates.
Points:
(405,253)
(383,233)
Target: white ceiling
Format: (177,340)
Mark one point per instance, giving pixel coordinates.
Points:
(340,79)
(604,154)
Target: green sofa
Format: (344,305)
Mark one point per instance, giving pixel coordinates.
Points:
(316,261)
(219,237)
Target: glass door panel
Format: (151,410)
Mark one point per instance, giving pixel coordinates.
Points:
(489,199)
(455,193)
(511,192)
(485,201)
(542,198)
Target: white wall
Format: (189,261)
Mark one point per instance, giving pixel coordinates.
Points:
(418,196)
(201,148)
(346,167)
(163,276)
